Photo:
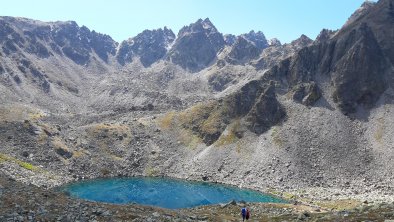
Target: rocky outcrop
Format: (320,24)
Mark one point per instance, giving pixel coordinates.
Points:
(358,76)
(255,104)
(45,39)
(274,42)
(306,93)
(196,46)
(150,46)
(356,59)
(324,35)
(229,39)
(77,43)
(302,41)
(277,52)
(362,10)
(265,112)
(258,38)
(243,51)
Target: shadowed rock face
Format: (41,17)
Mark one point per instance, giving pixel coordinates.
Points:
(196,46)
(150,46)
(358,75)
(78,42)
(258,38)
(306,93)
(266,112)
(360,12)
(324,35)
(255,105)
(243,51)
(357,59)
(277,52)
(64,38)
(302,41)
(230,39)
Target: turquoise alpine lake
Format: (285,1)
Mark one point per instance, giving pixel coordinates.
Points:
(162,192)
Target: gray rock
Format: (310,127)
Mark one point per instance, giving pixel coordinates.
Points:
(196,46)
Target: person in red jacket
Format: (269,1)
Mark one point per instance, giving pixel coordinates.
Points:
(245,213)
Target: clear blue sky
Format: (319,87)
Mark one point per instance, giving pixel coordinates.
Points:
(121,19)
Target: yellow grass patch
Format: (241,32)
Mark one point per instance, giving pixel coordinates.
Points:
(26,165)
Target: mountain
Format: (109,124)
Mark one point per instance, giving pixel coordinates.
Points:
(243,51)
(360,11)
(62,38)
(310,118)
(150,46)
(196,46)
(324,35)
(229,39)
(258,38)
(326,107)
(274,42)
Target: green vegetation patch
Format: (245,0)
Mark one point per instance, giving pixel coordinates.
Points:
(27,166)
(232,135)
(150,171)
(206,120)
(379,131)
(344,204)
(276,138)
(166,121)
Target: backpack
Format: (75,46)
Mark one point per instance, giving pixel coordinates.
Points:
(243,211)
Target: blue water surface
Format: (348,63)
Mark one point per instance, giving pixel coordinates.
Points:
(162,192)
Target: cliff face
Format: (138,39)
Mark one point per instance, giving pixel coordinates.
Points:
(46,39)
(150,46)
(196,46)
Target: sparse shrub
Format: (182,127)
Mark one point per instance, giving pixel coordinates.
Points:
(27,166)
(105,171)
(188,139)
(150,171)
(379,131)
(166,121)
(233,134)
(276,139)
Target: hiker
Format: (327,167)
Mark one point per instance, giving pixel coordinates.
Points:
(243,213)
(247,213)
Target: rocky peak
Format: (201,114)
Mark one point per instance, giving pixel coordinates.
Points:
(230,39)
(302,41)
(324,35)
(243,51)
(274,42)
(258,38)
(150,46)
(197,46)
(200,25)
(64,38)
(360,11)
(78,42)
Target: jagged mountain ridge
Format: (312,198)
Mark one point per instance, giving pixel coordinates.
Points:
(150,45)
(354,61)
(65,44)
